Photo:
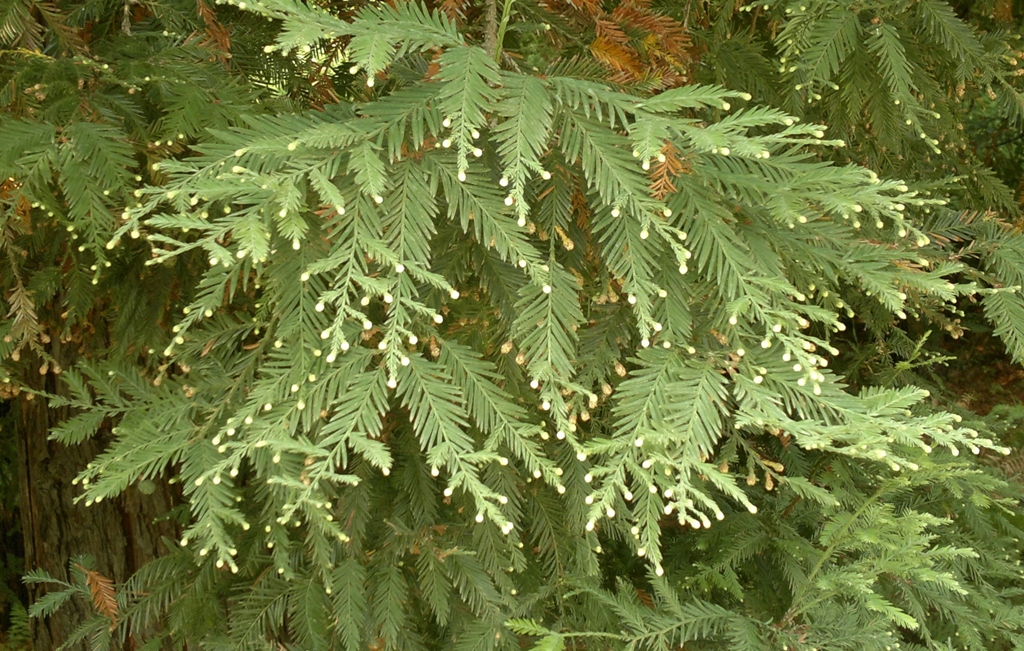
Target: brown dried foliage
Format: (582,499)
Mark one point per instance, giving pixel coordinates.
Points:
(216,36)
(636,43)
(25,326)
(455,10)
(1003,11)
(663,172)
(104,595)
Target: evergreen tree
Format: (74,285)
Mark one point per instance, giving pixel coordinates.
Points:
(532,325)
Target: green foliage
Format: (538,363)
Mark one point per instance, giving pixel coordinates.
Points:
(18,633)
(445,352)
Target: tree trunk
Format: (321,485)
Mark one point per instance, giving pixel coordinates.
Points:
(119,534)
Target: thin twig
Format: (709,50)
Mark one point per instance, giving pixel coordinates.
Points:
(491,22)
(500,38)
